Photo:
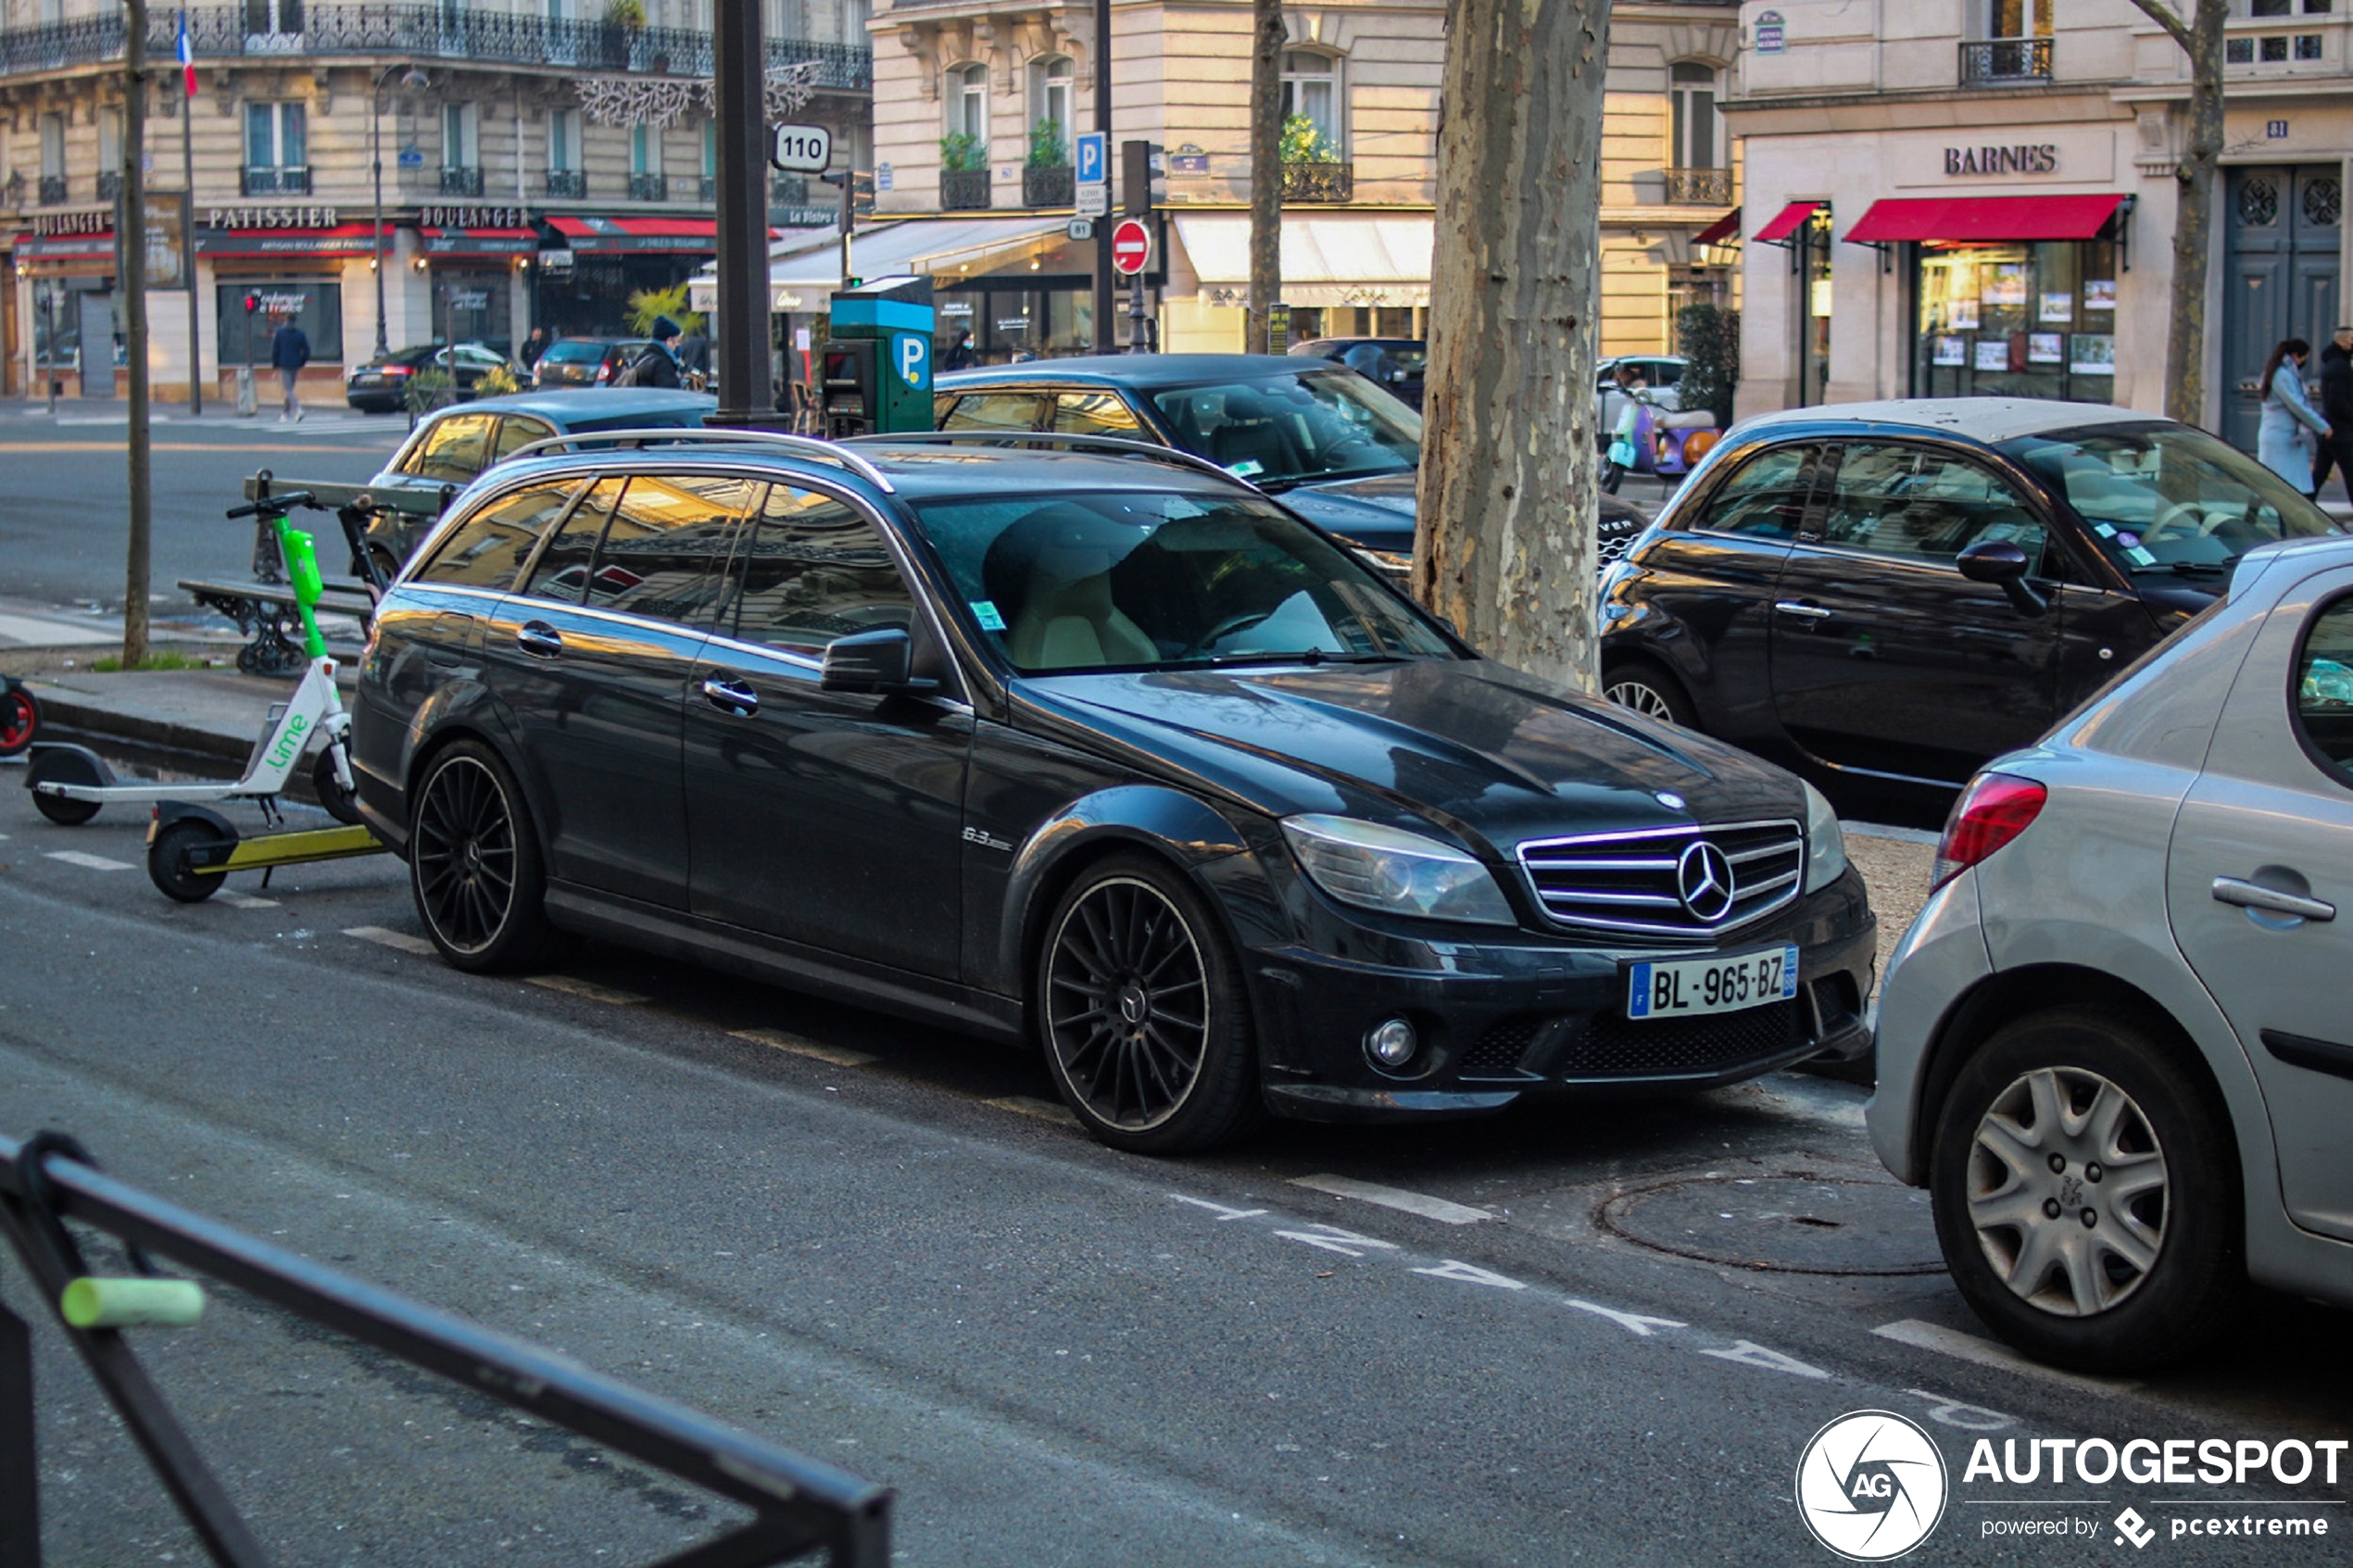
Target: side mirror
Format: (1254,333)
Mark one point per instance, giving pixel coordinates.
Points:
(872,662)
(2004,564)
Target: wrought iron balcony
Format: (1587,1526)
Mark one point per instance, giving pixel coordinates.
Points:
(789,190)
(217,33)
(2004,62)
(1698,187)
(1319,181)
(963,190)
(1047,187)
(109,185)
(649,187)
(275,182)
(567,183)
(462,182)
(707,188)
(53,190)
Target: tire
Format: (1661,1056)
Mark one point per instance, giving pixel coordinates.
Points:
(386,563)
(167,858)
(1141,1012)
(20,719)
(2144,1150)
(474,866)
(1650,691)
(341,804)
(62,767)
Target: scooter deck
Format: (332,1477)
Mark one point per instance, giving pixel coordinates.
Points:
(282,850)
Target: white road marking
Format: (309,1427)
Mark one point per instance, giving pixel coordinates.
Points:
(1219,1210)
(588,988)
(1634,1322)
(1986,1353)
(1471,1274)
(779,1040)
(396,939)
(94,862)
(1750,1353)
(1044,1109)
(245,900)
(1420,1203)
(1331,1238)
(1968,1418)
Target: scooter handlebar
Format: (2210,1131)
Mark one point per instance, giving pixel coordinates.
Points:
(276,505)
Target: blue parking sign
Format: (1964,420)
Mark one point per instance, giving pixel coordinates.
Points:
(1094,155)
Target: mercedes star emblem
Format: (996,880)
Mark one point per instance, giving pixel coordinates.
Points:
(1703,878)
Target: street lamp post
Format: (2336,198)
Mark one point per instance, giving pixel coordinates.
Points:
(413,80)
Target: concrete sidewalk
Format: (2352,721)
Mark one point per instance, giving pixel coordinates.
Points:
(209,713)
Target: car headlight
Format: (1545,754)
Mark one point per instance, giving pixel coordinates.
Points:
(1395,872)
(1825,843)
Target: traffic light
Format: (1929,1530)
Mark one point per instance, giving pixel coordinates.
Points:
(253,303)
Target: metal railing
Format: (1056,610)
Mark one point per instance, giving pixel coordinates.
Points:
(53,190)
(1049,187)
(109,185)
(1698,187)
(423,33)
(800,1506)
(567,183)
(460,182)
(1319,181)
(274,181)
(649,187)
(963,190)
(2001,61)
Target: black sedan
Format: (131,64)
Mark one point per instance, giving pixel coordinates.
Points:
(1902,590)
(1113,756)
(1394,364)
(380,386)
(1339,451)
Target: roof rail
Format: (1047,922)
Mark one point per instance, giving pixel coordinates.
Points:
(1052,438)
(825,451)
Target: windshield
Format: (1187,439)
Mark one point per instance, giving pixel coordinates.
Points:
(1295,428)
(1136,580)
(2166,497)
(573,350)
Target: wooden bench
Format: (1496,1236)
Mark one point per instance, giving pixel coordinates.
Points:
(265,613)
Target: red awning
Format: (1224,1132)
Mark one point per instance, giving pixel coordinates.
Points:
(1724,231)
(697,235)
(1973,219)
(480,242)
(1786,222)
(344,239)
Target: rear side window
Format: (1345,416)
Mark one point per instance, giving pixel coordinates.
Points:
(1766,497)
(1093,413)
(2325,688)
(488,548)
(665,554)
(562,572)
(452,450)
(817,570)
(993,410)
(515,433)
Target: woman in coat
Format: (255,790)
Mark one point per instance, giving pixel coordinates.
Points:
(2292,430)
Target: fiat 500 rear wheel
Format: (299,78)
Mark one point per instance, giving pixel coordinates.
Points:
(1140,1010)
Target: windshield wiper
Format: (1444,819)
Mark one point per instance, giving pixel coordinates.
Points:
(2189,567)
(1303,656)
(1292,481)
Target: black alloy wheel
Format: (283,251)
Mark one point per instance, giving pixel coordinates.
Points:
(474,866)
(1142,1008)
(1650,692)
(169,856)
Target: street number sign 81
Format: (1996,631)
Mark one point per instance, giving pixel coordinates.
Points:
(800,149)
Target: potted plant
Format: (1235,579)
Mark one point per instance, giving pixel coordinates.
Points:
(624,20)
(963,172)
(1046,172)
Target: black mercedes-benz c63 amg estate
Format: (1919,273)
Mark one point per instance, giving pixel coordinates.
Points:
(1089,747)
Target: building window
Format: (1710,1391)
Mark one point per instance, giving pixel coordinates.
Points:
(2019,18)
(1311,93)
(109,141)
(968,102)
(264,17)
(1050,111)
(277,160)
(564,141)
(1698,134)
(458,141)
(53,147)
(645,149)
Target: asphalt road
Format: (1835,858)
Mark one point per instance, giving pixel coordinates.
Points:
(64,526)
(1577,1334)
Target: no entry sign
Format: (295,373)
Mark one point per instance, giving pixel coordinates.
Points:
(1131,246)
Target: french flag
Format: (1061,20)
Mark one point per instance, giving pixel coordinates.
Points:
(187,59)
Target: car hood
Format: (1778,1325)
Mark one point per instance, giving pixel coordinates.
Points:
(1472,747)
(1376,511)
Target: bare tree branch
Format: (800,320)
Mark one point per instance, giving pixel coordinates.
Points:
(2165,16)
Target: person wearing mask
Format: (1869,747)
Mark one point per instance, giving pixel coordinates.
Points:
(960,353)
(289,352)
(658,366)
(2337,407)
(533,346)
(2290,429)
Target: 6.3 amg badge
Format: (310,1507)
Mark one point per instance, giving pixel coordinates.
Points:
(1872,1485)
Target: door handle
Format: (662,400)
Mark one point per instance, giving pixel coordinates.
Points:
(1800,608)
(2250,896)
(538,637)
(730,696)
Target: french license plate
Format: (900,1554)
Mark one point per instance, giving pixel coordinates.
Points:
(1685,987)
(367,381)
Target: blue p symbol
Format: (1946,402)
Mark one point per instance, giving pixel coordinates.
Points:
(914,359)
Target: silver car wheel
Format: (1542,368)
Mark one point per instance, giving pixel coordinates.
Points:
(2068,1191)
(1642,698)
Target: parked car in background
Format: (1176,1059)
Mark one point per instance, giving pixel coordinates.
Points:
(1903,590)
(585,361)
(1336,448)
(2115,1047)
(452,447)
(955,729)
(1394,364)
(380,386)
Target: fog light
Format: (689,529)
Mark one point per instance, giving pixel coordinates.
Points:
(1391,1043)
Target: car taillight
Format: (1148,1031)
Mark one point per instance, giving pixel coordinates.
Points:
(1995,808)
(604,372)
(400,369)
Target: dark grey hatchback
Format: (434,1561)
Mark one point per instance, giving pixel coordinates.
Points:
(1104,752)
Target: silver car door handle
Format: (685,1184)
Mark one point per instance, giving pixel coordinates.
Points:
(2249,895)
(730,695)
(1794,606)
(538,636)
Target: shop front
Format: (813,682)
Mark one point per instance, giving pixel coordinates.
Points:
(476,259)
(589,267)
(272,266)
(67,298)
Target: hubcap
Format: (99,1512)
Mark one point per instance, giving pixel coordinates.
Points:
(1127,1004)
(465,855)
(1644,700)
(2068,1191)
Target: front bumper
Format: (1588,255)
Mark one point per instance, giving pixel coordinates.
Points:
(1515,1015)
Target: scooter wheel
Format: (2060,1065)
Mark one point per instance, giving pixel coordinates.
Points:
(19,720)
(168,860)
(341,804)
(61,767)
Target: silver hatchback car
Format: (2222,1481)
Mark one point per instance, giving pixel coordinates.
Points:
(2117,1046)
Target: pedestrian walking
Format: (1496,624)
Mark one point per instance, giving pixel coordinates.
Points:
(289,352)
(2337,407)
(533,346)
(1621,455)
(2291,429)
(658,366)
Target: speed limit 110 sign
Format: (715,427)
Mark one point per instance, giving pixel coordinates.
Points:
(1131,246)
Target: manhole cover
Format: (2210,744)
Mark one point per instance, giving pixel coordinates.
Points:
(1796,1222)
